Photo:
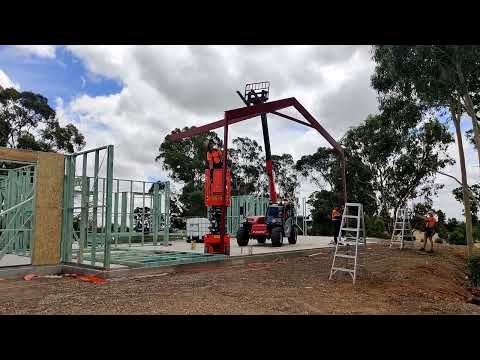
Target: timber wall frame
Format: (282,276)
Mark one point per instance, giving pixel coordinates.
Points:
(47,220)
(17,201)
(54,203)
(102,213)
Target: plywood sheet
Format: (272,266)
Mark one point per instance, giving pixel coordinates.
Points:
(48,224)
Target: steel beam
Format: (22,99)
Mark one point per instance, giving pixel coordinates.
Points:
(194,131)
(291,118)
(240,114)
(256,110)
(316,125)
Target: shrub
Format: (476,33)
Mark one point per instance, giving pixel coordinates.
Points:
(457,236)
(473,266)
(375,227)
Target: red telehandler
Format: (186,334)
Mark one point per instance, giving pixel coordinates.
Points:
(279,220)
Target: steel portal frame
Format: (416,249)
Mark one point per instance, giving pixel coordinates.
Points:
(244,113)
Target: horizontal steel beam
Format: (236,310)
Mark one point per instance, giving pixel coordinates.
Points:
(204,128)
(240,114)
(89,151)
(258,109)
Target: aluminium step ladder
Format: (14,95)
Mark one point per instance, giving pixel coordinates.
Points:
(351,235)
(402,229)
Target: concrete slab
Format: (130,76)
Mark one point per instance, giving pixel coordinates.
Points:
(18,272)
(15,260)
(253,248)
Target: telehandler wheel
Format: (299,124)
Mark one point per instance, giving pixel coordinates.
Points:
(277,237)
(261,240)
(292,239)
(242,237)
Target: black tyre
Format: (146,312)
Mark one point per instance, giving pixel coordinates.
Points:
(261,240)
(292,239)
(277,237)
(242,237)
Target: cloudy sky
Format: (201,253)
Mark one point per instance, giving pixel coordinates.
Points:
(132,96)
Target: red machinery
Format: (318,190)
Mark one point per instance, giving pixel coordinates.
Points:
(214,243)
(255,99)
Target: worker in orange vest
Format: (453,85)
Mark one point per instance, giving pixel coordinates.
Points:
(430,222)
(214,158)
(336,220)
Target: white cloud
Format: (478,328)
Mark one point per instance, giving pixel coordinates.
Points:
(6,82)
(43,51)
(165,87)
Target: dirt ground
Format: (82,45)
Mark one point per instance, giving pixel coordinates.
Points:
(392,282)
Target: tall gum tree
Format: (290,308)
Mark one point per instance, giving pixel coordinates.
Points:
(433,77)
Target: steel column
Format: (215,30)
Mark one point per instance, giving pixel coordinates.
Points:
(83,211)
(108,210)
(95,208)
(166,229)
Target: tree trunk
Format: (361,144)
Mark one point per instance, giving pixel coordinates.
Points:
(470,109)
(466,197)
(471,113)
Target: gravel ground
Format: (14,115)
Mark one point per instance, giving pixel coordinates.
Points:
(392,282)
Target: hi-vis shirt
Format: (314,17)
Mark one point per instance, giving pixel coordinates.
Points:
(336,215)
(215,156)
(430,222)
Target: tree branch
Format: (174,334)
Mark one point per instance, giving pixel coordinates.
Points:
(451,176)
(466,187)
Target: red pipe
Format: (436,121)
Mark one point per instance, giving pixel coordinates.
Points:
(271,183)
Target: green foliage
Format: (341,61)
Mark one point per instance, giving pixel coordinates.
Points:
(474,200)
(401,158)
(323,168)
(470,138)
(247,167)
(28,122)
(186,162)
(186,159)
(457,235)
(473,266)
(318,167)
(193,201)
(375,227)
(431,75)
(249,173)
(322,203)
(285,176)
(388,162)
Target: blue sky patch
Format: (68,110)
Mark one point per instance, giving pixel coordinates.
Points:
(64,76)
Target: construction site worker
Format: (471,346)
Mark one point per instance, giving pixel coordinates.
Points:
(214,158)
(336,221)
(430,223)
